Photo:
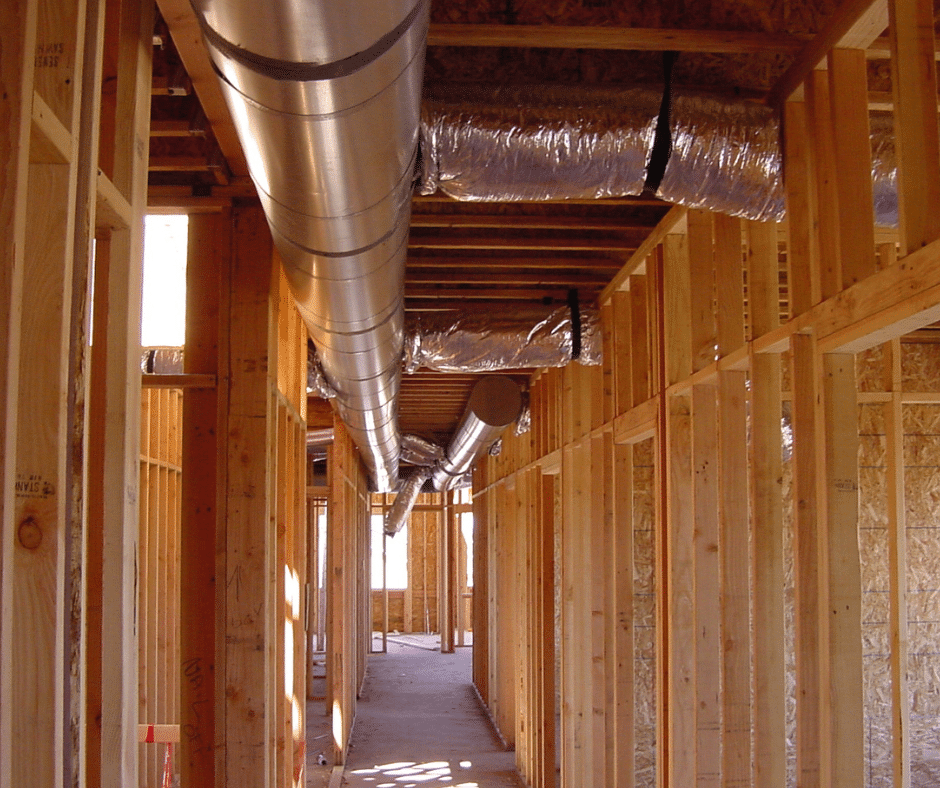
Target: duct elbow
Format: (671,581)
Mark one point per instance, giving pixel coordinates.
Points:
(495,403)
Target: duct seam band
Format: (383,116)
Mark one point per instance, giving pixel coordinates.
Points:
(661,150)
(575,307)
(290,71)
(456,474)
(341,254)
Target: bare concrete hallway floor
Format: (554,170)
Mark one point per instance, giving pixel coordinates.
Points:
(419,723)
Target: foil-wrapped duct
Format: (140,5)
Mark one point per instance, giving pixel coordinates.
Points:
(319,436)
(725,157)
(405,500)
(494,340)
(884,169)
(507,143)
(319,439)
(495,402)
(530,143)
(161,361)
(418,451)
(524,422)
(317,384)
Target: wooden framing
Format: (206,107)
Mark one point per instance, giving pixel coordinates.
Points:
(349,582)
(702,363)
(80,599)
(159,563)
(588,37)
(203,504)
(643,493)
(247,335)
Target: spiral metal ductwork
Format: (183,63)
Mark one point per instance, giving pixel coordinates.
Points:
(405,501)
(495,403)
(326,100)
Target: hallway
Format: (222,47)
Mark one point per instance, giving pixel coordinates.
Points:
(419,723)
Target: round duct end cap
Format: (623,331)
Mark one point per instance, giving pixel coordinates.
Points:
(496,400)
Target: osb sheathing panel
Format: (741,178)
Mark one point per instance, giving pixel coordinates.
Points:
(920,366)
(558,589)
(396,611)
(873,554)
(921,447)
(753,74)
(422,578)
(921,419)
(871,450)
(788,591)
(869,369)
(871,421)
(644,590)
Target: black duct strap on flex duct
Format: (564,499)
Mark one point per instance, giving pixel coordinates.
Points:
(575,308)
(662,140)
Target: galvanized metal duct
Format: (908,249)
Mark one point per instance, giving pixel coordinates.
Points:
(405,501)
(325,97)
(530,142)
(495,403)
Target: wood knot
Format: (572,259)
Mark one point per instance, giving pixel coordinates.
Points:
(29,533)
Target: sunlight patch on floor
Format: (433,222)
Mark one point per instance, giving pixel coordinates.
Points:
(409,774)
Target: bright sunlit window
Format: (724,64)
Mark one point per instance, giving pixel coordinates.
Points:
(396,555)
(163,322)
(466,528)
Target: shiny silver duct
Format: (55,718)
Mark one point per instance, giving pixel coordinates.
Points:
(418,451)
(161,360)
(319,437)
(325,97)
(488,143)
(495,403)
(493,341)
(405,500)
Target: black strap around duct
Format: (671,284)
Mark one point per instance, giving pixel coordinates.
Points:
(662,139)
(575,308)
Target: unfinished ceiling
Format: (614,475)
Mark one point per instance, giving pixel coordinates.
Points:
(489,255)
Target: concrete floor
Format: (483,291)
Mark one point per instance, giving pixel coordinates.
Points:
(419,723)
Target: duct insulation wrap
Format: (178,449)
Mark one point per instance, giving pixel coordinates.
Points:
(326,99)
(161,361)
(884,169)
(495,402)
(418,451)
(525,143)
(405,501)
(497,340)
(319,436)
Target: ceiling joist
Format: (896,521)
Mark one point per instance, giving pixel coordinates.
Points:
(614,38)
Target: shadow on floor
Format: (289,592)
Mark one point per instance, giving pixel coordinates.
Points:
(419,723)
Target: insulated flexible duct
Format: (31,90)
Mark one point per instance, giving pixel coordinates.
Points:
(405,501)
(492,341)
(325,97)
(523,143)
